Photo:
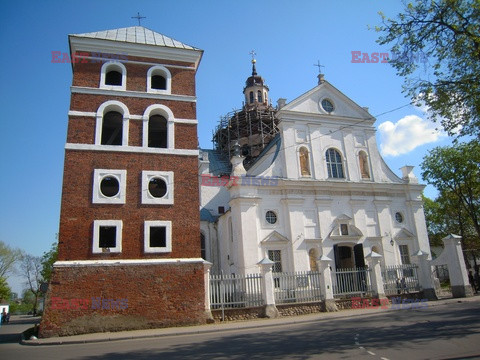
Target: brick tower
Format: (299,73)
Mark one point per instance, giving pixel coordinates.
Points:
(129,242)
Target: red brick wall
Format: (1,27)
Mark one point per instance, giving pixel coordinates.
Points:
(157,296)
(183,80)
(78,212)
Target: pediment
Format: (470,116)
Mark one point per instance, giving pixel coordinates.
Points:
(404,234)
(353,233)
(274,238)
(310,103)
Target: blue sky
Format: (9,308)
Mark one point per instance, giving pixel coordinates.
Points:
(288,37)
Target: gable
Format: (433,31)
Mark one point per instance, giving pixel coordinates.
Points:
(311,103)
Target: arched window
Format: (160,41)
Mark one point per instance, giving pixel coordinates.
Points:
(157,131)
(159,80)
(113,76)
(203,250)
(312,257)
(363,163)
(334,164)
(251,97)
(112,128)
(304,161)
(259,96)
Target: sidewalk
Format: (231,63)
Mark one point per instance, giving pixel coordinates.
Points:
(225,326)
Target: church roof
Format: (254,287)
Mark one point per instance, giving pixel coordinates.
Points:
(218,164)
(136,35)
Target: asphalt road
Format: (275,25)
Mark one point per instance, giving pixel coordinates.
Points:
(442,332)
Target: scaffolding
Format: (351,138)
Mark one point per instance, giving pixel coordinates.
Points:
(253,129)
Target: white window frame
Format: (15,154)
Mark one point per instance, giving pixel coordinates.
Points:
(265,223)
(96,249)
(166,176)
(117,66)
(98,197)
(168,236)
(159,70)
(164,111)
(112,105)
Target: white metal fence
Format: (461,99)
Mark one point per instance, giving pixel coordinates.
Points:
(297,287)
(235,291)
(350,282)
(400,279)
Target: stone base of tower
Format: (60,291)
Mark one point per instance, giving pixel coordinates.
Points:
(116,295)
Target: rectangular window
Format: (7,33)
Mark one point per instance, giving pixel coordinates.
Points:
(276,257)
(404,255)
(158,236)
(107,236)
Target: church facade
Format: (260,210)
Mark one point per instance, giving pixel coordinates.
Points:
(319,187)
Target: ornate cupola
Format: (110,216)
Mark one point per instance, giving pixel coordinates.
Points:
(255,91)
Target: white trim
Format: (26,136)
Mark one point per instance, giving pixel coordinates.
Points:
(98,197)
(132,149)
(163,71)
(168,237)
(129,93)
(164,111)
(122,262)
(112,105)
(103,74)
(82,113)
(166,176)
(132,117)
(96,249)
(78,44)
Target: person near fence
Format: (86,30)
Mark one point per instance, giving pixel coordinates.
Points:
(404,285)
(477,281)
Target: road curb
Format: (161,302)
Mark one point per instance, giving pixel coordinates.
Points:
(230,326)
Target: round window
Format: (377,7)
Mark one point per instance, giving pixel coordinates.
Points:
(109,186)
(271,217)
(399,217)
(157,187)
(327,105)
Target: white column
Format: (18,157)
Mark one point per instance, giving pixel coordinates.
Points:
(268,288)
(373,260)
(425,275)
(326,287)
(457,270)
(206,278)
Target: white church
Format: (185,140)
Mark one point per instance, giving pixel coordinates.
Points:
(302,180)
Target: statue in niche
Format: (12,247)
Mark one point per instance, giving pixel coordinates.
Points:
(362,158)
(304,163)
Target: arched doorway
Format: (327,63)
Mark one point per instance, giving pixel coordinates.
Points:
(349,256)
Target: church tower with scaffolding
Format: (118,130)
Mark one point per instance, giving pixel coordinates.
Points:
(253,126)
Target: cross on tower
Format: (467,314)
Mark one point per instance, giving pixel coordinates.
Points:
(253,53)
(138,17)
(319,66)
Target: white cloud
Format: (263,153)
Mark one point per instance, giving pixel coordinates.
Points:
(407,134)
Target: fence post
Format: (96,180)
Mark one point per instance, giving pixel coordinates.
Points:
(206,278)
(425,275)
(452,255)
(268,288)
(373,260)
(323,264)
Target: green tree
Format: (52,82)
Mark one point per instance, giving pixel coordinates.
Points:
(8,258)
(5,291)
(455,172)
(31,267)
(48,258)
(447,33)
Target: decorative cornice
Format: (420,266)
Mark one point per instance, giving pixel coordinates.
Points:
(123,262)
(129,93)
(131,149)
